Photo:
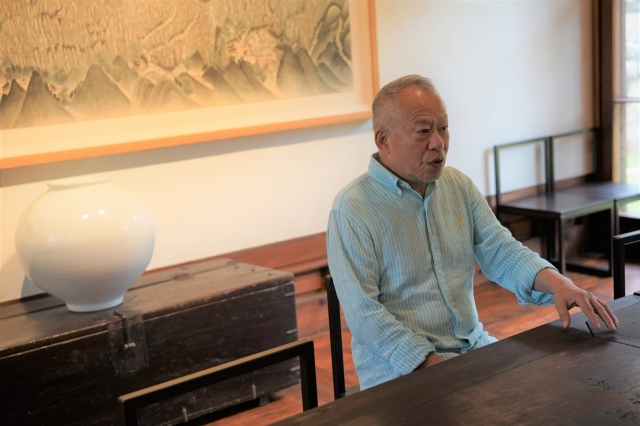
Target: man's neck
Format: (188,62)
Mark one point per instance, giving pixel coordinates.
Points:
(420,188)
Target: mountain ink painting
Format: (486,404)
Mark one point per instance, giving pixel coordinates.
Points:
(63,61)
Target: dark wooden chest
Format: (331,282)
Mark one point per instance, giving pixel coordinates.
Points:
(61,367)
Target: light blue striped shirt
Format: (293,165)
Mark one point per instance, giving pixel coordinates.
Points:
(403,268)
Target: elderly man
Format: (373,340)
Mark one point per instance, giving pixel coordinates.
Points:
(401,242)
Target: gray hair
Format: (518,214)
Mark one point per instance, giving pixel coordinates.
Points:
(384,107)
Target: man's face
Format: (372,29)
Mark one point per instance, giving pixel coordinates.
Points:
(415,149)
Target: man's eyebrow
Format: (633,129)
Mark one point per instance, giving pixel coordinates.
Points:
(422,121)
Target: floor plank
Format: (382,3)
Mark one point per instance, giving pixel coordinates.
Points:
(498,310)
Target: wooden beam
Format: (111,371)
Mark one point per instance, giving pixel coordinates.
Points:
(605,87)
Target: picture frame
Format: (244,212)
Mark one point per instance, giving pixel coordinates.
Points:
(28,146)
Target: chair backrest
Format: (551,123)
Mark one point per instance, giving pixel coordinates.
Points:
(129,404)
(335,338)
(619,244)
(549,168)
(593,131)
(548,164)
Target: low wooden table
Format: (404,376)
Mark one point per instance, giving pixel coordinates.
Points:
(61,367)
(545,376)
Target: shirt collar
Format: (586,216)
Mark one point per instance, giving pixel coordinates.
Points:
(389,180)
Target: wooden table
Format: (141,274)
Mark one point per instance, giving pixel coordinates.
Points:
(548,375)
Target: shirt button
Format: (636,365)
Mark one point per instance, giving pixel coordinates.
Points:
(433,238)
(440,271)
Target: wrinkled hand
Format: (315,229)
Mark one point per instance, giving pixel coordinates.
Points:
(568,295)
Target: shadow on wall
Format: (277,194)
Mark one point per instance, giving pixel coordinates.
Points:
(29,288)
(12,267)
(94,165)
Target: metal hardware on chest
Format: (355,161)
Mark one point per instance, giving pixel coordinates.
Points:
(127,344)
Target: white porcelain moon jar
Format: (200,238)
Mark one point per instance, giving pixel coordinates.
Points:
(85,241)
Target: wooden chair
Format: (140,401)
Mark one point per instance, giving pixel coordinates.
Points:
(554,207)
(129,404)
(619,244)
(335,339)
(620,193)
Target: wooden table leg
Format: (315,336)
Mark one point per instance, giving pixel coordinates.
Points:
(562,256)
(613,230)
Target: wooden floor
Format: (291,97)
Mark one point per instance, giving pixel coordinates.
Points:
(498,311)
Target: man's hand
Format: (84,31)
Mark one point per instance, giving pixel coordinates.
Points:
(568,295)
(432,358)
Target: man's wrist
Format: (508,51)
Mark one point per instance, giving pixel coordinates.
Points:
(548,280)
(426,361)
(543,281)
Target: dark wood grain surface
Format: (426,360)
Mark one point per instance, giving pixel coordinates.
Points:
(498,310)
(152,295)
(61,367)
(561,203)
(621,192)
(548,375)
(629,330)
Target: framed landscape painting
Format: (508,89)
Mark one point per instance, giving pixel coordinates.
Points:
(87,78)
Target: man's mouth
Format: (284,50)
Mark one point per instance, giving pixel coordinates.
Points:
(438,161)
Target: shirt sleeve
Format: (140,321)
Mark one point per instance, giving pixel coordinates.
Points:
(503,259)
(355,271)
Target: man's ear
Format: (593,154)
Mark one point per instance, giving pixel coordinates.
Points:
(382,142)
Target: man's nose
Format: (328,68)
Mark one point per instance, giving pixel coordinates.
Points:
(435,142)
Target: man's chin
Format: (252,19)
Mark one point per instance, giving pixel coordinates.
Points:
(431,178)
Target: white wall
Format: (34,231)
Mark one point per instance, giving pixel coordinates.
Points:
(507,70)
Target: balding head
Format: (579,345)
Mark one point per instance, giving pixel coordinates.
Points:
(385,113)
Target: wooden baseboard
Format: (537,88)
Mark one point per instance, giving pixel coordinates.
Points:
(305,257)
(298,255)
